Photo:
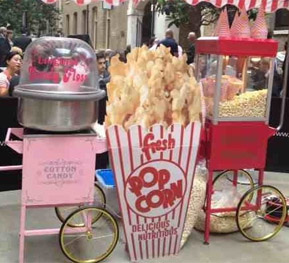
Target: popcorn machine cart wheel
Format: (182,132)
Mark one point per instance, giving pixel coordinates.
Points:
(244,178)
(237,110)
(256,206)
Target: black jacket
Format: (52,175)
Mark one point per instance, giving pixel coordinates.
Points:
(191,54)
(13,82)
(102,103)
(22,42)
(171,43)
(4,50)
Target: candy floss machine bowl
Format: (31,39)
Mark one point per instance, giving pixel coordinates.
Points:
(58,89)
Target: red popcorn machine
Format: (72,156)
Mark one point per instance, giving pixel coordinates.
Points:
(236,75)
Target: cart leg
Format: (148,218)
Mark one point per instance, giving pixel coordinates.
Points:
(88,220)
(235,180)
(208,207)
(21,234)
(261,177)
(260,183)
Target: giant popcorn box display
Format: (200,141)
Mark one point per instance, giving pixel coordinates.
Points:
(154,172)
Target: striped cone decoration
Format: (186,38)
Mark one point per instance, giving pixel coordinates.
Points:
(222,28)
(259,29)
(240,27)
(234,25)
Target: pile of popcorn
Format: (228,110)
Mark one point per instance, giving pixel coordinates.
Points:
(248,104)
(152,87)
(196,201)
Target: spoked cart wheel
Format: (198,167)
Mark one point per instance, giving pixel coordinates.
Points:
(226,180)
(93,241)
(243,177)
(62,212)
(255,212)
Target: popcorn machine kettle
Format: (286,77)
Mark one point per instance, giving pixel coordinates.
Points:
(237,76)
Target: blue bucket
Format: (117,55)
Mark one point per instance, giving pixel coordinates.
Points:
(105,177)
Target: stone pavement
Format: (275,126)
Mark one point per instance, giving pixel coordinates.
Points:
(230,248)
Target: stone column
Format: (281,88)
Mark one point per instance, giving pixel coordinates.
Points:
(133,16)
(160,26)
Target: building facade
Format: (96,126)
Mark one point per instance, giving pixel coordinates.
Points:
(116,27)
(113,27)
(105,25)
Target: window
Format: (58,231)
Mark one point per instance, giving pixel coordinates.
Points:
(107,33)
(282,19)
(94,26)
(75,23)
(67,25)
(84,22)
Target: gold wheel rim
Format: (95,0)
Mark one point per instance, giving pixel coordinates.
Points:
(225,175)
(60,210)
(88,236)
(241,214)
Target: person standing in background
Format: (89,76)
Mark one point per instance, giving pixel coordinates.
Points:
(10,37)
(22,41)
(278,72)
(285,59)
(4,46)
(180,51)
(127,50)
(170,42)
(102,160)
(283,67)
(13,62)
(192,50)
(154,44)
(104,78)
(3,32)
(107,54)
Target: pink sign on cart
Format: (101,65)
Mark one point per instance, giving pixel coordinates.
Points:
(154,173)
(58,170)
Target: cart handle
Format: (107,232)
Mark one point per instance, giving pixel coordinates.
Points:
(284,89)
(10,168)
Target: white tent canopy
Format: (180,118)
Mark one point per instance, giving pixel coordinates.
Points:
(86,2)
(270,5)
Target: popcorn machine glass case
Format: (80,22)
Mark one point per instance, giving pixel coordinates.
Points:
(237,77)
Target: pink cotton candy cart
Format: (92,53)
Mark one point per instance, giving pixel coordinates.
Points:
(58,171)
(58,102)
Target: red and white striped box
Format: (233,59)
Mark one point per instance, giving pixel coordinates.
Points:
(154,172)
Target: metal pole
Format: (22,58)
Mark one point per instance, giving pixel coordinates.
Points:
(270,87)
(284,88)
(217,91)
(87,19)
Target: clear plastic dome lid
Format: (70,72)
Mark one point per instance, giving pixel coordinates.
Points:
(59,65)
